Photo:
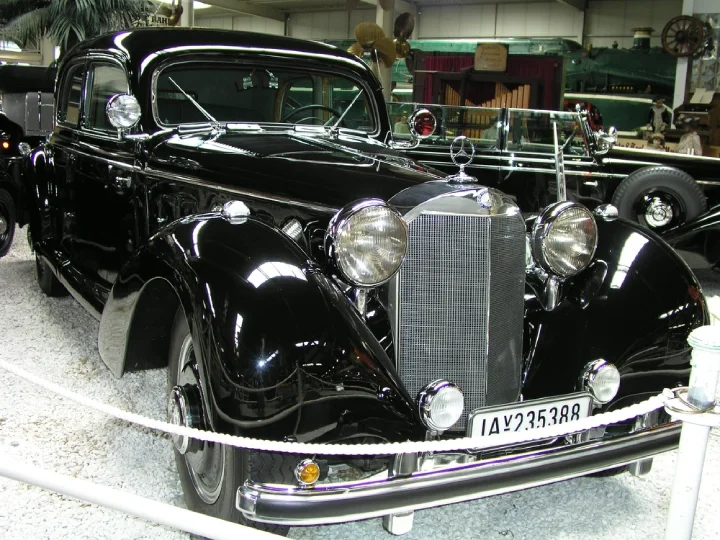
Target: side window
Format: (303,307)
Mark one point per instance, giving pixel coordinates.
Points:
(105,81)
(68,110)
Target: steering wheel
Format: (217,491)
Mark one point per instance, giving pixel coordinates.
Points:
(312,106)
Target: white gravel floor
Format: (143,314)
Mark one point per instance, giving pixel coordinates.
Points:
(57,339)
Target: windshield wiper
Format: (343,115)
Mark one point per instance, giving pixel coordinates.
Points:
(347,109)
(215,124)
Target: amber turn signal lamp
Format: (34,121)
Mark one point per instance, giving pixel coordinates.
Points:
(307,472)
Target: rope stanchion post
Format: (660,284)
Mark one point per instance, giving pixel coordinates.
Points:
(694,437)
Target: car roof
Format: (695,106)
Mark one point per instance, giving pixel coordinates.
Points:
(139,43)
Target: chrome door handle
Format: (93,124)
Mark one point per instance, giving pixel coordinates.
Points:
(120,178)
(122,181)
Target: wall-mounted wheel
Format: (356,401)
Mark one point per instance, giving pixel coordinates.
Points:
(683,36)
(659,198)
(7,221)
(211,473)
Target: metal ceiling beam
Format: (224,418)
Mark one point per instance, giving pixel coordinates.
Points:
(248,8)
(577,4)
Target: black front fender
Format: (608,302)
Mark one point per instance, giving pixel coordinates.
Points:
(280,347)
(634,307)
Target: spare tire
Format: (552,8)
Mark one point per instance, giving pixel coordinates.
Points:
(659,197)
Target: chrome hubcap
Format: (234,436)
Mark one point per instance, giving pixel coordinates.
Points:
(184,411)
(3,225)
(658,213)
(205,461)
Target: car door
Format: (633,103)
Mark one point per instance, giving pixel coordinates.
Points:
(55,191)
(108,215)
(528,164)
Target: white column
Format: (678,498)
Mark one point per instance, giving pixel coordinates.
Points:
(188,15)
(385,20)
(47,51)
(683,64)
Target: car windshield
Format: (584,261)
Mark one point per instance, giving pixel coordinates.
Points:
(233,93)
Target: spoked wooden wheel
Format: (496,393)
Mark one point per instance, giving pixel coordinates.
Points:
(683,36)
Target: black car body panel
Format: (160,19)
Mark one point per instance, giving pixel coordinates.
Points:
(229,223)
(698,241)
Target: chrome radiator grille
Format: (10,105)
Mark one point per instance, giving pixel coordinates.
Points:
(460,306)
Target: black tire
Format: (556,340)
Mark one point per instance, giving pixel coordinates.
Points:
(237,465)
(47,281)
(7,221)
(667,185)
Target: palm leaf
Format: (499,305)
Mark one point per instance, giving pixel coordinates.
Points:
(11,9)
(69,21)
(28,28)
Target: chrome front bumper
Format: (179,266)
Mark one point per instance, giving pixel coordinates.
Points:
(401,494)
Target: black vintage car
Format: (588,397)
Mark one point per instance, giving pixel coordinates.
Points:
(515,153)
(233,207)
(25,120)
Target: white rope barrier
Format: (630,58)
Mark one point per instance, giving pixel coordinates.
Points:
(465,443)
(148,509)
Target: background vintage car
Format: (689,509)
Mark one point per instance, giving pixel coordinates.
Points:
(305,282)
(515,152)
(25,120)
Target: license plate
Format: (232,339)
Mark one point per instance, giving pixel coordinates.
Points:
(528,415)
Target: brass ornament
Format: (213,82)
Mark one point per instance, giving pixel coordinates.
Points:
(402,47)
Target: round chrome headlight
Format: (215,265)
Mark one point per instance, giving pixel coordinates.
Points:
(368,242)
(564,238)
(441,405)
(602,380)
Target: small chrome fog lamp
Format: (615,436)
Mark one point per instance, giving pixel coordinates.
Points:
(441,405)
(602,380)
(564,238)
(368,242)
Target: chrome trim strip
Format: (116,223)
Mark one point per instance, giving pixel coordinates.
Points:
(351,501)
(117,164)
(236,191)
(530,169)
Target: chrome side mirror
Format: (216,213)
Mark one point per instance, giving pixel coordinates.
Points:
(605,141)
(421,124)
(24,149)
(123,112)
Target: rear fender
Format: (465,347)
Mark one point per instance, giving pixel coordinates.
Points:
(634,307)
(279,346)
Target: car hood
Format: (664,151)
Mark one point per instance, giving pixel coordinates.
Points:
(312,168)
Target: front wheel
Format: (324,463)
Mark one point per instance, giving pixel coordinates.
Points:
(659,198)
(7,221)
(211,473)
